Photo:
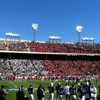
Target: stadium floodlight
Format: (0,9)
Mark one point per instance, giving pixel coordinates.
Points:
(34,27)
(79,30)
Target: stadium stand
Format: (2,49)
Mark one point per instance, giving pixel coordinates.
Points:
(32,60)
(50,47)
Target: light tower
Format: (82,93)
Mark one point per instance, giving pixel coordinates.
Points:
(34,27)
(79,30)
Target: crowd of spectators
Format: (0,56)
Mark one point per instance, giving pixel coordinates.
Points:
(50,47)
(75,67)
(20,46)
(41,69)
(3,46)
(25,68)
(22,67)
(64,47)
(5,69)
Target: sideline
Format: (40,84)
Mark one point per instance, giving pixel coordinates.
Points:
(16,88)
(13,84)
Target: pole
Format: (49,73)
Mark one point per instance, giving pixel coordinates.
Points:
(34,35)
(78,37)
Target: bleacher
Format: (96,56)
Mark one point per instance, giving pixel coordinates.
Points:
(48,61)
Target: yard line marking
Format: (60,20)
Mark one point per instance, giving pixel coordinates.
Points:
(13,84)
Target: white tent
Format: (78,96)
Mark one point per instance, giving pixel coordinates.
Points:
(88,40)
(12,36)
(54,38)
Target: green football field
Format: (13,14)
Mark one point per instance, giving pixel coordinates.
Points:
(13,85)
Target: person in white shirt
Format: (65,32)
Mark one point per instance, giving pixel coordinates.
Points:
(66,92)
(93,91)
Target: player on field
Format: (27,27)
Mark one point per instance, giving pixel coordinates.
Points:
(51,91)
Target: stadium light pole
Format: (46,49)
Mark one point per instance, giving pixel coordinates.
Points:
(34,27)
(79,30)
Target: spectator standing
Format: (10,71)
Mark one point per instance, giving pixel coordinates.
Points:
(19,95)
(51,91)
(30,91)
(40,92)
(66,91)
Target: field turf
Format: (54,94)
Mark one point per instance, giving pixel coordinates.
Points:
(26,83)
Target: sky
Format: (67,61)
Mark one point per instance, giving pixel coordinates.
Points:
(54,18)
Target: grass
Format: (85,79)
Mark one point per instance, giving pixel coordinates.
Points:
(26,83)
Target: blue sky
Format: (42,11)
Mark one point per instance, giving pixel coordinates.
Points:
(54,18)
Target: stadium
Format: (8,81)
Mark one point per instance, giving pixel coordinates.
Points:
(25,62)
(59,60)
